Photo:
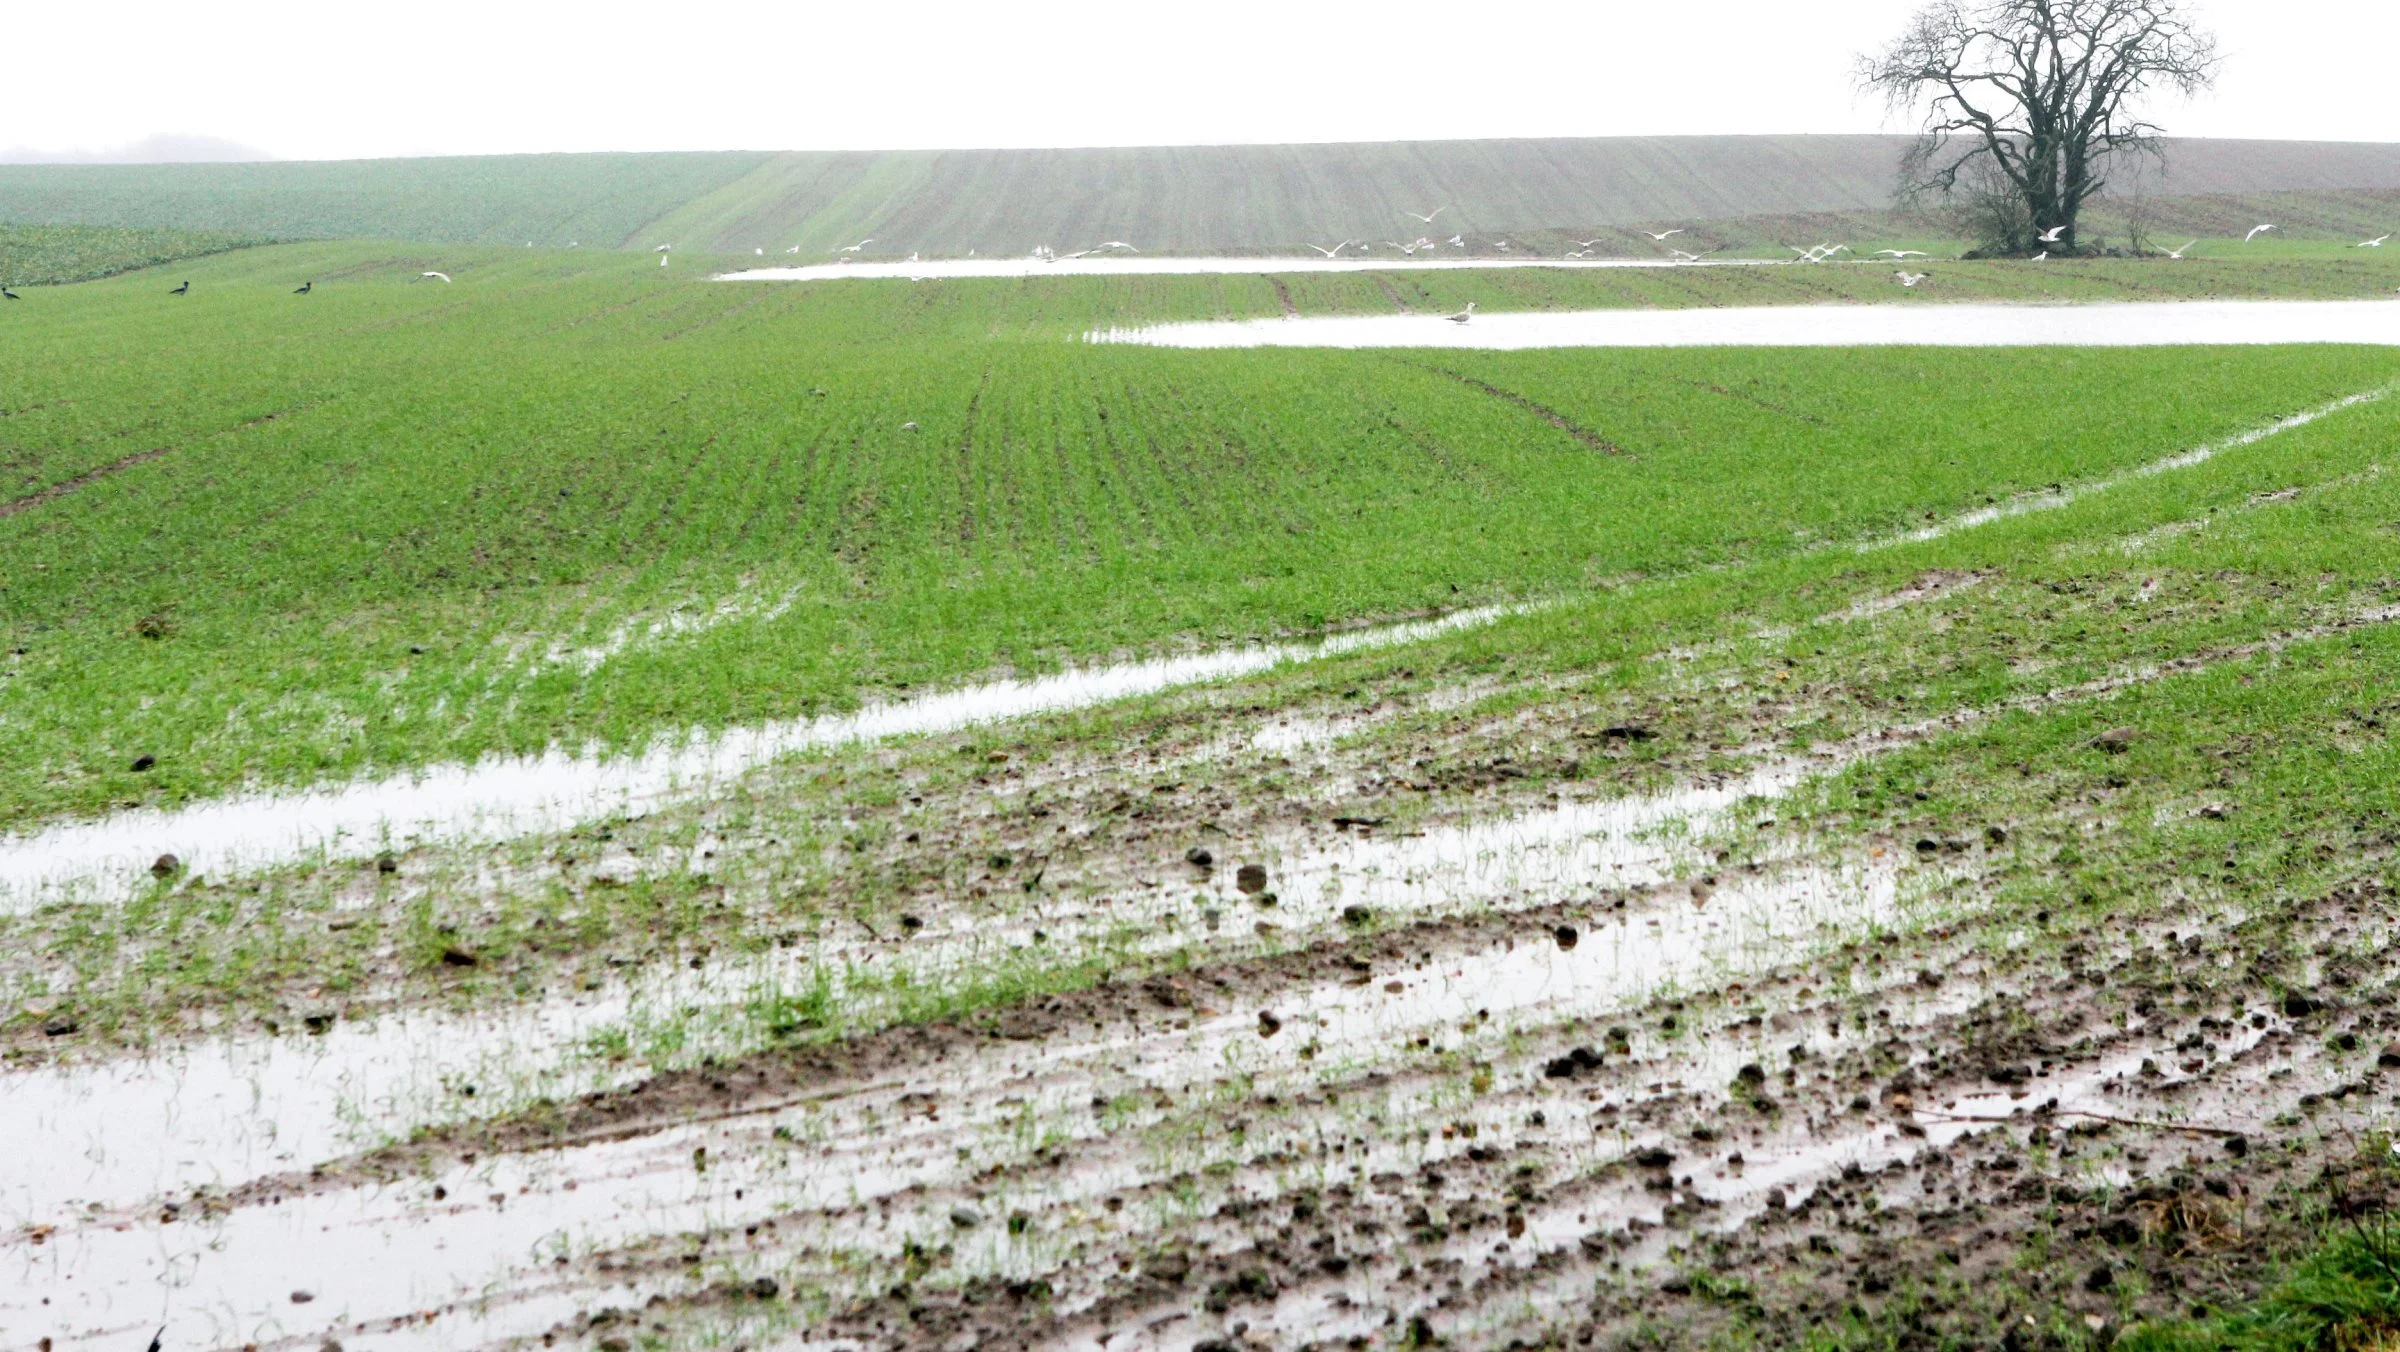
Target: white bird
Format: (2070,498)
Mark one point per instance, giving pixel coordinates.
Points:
(2039,257)
(854,248)
(1685,256)
(1908,278)
(1581,253)
(662,248)
(1901,253)
(443,275)
(1427,217)
(1462,316)
(2255,232)
(662,260)
(760,252)
(1115,244)
(1458,241)
(792,250)
(573,244)
(1661,236)
(2178,253)
(2050,236)
(1587,243)
(1336,250)
(2375,243)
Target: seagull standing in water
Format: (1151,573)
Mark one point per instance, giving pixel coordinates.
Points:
(2255,232)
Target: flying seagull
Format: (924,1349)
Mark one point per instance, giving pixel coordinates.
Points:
(2375,243)
(1579,253)
(1336,250)
(305,288)
(2050,236)
(183,290)
(1660,237)
(1462,316)
(1586,243)
(1115,244)
(1685,255)
(2039,257)
(854,248)
(1901,253)
(443,275)
(1911,278)
(794,249)
(1457,241)
(1427,217)
(2255,232)
(2178,253)
(662,248)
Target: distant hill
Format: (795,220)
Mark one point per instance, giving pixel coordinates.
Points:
(1164,199)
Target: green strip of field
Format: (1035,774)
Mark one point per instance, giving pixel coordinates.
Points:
(569,499)
(48,255)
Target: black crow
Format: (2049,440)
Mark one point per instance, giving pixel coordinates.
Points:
(182,290)
(305,288)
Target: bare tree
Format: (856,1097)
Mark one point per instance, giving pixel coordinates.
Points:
(2027,102)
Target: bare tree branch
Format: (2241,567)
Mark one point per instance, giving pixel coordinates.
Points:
(2024,104)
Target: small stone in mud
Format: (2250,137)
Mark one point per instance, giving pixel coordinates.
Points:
(1929,979)
(1572,1064)
(386,863)
(1776,1201)
(1356,915)
(303,1297)
(165,866)
(965,1217)
(912,923)
(1251,879)
(2389,1056)
(319,1022)
(1929,847)
(1626,732)
(60,1026)
(2115,741)
(455,956)
(2237,1146)
(1702,891)
(1566,936)
(2215,812)
(1997,835)
(764,1288)
(1268,1024)
(143,762)
(1199,858)
(1655,1157)
(2298,1006)
(2100,1278)
(1753,1075)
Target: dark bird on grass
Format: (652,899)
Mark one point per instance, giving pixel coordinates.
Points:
(305,288)
(4,291)
(183,290)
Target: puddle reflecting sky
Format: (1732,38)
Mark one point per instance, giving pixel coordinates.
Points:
(2112,324)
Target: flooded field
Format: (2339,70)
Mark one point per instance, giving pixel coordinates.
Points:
(1857,850)
(2109,324)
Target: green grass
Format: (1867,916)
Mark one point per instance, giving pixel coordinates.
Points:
(2345,1297)
(48,255)
(274,538)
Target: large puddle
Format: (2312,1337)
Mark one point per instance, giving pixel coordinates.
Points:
(1386,259)
(2110,324)
(109,859)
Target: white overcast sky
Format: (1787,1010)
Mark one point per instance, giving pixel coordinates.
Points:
(322,80)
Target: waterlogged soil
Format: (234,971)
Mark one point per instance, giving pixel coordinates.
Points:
(1916,954)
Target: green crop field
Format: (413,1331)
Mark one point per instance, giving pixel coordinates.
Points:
(1165,199)
(1894,847)
(48,255)
(269,538)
